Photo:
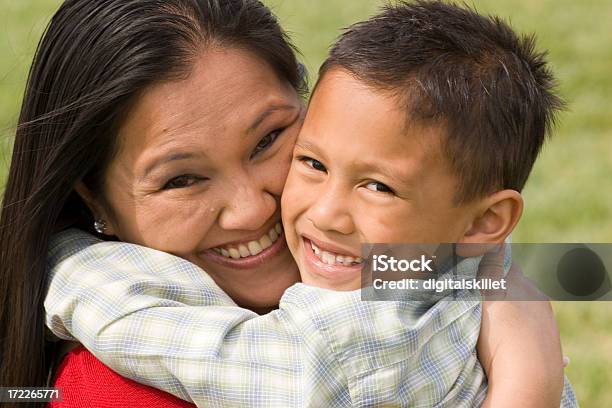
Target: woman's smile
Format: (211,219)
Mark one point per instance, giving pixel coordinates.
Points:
(249,253)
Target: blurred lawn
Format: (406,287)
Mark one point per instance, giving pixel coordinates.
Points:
(568,198)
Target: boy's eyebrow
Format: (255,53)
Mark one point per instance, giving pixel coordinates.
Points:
(403,177)
(365,165)
(310,147)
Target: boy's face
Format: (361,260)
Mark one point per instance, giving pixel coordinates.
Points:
(361,173)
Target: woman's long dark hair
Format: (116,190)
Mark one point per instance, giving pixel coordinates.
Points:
(94,59)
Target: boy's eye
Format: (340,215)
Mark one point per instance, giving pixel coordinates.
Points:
(378,187)
(315,164)
(183,181)
(266,142)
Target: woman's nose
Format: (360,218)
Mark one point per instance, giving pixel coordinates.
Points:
(248,206)
(330,211)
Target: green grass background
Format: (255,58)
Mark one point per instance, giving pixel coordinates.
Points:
(569,195)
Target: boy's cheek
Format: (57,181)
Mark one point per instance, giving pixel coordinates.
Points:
(295,201)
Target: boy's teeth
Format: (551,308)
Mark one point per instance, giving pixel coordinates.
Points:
(252,248)
(330,258)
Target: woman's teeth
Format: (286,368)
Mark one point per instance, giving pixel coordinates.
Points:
(252,248)
(331,258)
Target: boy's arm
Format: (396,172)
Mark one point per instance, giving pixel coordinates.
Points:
(162,321)
(519,348)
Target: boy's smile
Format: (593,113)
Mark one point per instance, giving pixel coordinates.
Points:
(362,172)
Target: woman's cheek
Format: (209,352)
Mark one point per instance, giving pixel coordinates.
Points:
(174,226)
(276,170)
(293,201)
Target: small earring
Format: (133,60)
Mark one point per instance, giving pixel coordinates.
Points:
(100,226)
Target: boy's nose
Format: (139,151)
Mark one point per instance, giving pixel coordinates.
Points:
(331,212)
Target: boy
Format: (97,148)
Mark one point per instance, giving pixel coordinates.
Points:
(371,165)
(423,127)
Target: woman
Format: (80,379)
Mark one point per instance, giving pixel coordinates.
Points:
(168,124)
(92,65)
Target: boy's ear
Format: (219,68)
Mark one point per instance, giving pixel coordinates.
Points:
(97,209)
(497,216)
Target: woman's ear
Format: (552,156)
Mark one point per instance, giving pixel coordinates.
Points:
(497,216)
(98,211)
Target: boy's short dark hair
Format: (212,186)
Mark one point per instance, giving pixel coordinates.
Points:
(489,87)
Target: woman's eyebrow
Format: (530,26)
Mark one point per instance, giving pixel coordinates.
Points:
(267,113)
(167,159)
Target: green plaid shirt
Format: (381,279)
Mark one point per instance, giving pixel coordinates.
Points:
(162,321)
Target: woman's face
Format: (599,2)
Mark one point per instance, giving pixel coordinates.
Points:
(200,169)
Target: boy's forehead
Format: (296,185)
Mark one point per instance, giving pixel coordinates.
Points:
(408,107)
(349,120)
(342,98)
(340,87)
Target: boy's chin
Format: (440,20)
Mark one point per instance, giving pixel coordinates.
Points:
(341,286)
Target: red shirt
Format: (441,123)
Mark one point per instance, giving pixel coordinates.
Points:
(88,383)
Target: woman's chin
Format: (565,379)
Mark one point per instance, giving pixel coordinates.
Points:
(258,288)
(263,298)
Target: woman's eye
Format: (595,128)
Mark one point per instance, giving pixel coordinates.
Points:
(266,142)
(181,182)
(315,164)
(378,187)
